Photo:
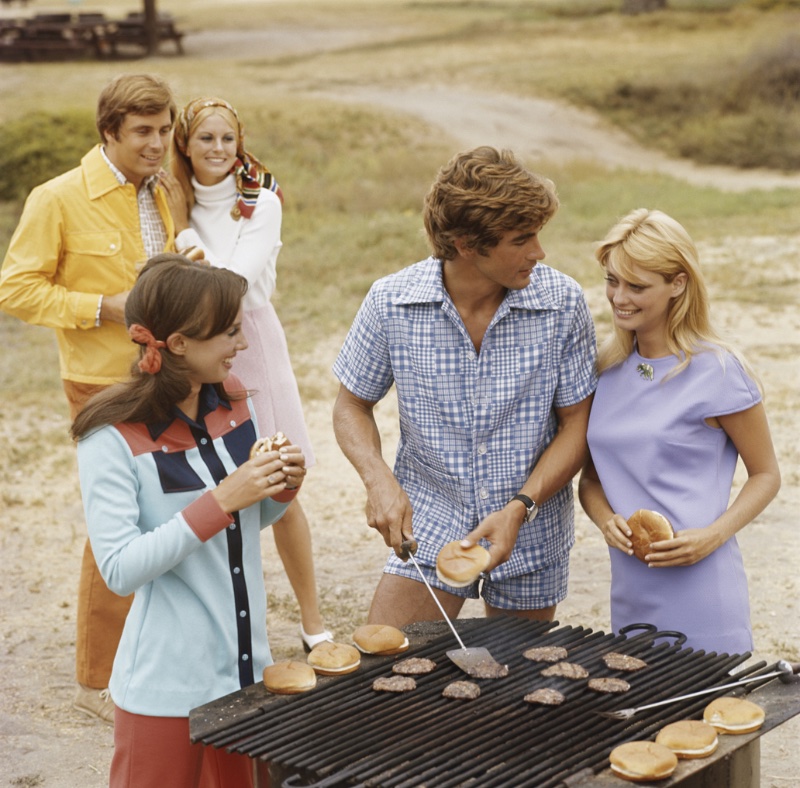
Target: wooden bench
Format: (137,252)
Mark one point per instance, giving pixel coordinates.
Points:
(132,31)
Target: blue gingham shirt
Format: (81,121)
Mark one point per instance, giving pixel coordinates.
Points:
(473,425)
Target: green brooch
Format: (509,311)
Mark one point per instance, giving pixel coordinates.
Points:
(645,371)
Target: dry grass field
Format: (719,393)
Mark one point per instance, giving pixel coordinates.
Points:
(355,105)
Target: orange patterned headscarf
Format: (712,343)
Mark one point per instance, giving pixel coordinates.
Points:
(251,175)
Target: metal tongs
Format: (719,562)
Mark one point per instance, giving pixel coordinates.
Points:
(786,671)
(475,662)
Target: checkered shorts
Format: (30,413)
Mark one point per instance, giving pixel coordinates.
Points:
(543,588)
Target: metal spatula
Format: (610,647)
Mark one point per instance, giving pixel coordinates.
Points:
(475,662)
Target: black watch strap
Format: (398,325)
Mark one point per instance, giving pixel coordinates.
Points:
(530,506)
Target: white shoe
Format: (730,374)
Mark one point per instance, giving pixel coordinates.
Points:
(309,641)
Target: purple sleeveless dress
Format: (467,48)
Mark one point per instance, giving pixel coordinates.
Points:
(653,450)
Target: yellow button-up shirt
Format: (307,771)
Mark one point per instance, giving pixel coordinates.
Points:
(79,237)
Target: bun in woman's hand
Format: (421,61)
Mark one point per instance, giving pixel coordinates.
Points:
(647,527)
(264,445)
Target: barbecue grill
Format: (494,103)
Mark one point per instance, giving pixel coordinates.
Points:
(344,733)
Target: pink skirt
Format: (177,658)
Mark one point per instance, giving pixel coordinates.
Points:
(266,369)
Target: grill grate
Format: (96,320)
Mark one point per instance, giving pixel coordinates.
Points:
(343,733)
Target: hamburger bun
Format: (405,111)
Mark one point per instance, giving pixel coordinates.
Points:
(689,738)
(263,445)
(379,639)
(289,678)
(642,761)
(647,527)
(331,659)
(734,715)
(461,566)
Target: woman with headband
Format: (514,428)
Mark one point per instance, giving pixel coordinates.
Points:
(174,508)
(226,203)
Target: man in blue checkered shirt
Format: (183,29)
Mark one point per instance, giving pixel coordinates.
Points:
(493,360)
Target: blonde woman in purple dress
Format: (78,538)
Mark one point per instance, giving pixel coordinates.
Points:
(225,202)
(674,410)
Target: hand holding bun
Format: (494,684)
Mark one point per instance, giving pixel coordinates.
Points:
(460,566)
(647,527)
(294,470)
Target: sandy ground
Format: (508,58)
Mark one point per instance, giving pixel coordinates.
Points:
(43,742)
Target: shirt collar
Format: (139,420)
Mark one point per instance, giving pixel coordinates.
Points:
(428,287)
(149,182)
(209,401)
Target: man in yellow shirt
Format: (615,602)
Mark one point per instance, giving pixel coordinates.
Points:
(81,240)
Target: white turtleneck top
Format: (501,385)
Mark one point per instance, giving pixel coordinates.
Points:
(249,247)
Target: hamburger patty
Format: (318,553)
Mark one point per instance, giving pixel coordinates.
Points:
(617,661)
(394,684)
(609,685)
(546,696)
(414,666)
(545,653)
(462,690)
(567,670)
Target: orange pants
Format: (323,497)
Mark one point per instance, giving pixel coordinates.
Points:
(153,752)
(101,613)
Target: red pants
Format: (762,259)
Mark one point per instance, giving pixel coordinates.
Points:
(154,752)
(101,613)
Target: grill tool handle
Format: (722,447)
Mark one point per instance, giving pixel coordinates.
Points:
(789,671)
(409,547)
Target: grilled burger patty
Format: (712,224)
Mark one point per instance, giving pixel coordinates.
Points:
(545,653)
(567,670)
(414,666)
(617,661)
(394,684)
(609,685)
(546,696)
(462,690)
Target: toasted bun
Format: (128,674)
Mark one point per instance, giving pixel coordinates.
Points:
(263,445)
(734,715)
(330,659)
(689,738)
(642,761)
(460,566)
(379,639)
(289,678)
(648,527)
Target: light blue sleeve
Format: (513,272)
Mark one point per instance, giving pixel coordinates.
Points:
(129,551)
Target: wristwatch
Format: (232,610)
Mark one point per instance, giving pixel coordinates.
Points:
(532,508)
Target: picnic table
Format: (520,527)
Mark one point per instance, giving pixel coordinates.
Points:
(75,36)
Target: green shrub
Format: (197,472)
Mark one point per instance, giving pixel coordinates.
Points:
(39,146)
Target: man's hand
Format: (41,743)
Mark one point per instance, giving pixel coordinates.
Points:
(388,511)
(500,529)
(113,308)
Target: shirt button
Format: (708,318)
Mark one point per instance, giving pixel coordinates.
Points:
(204,441)
(245,657)
(484,493)
(112,247)
(232,526)
(233,423)
(242,614)
(482,448)
(165,449)
(236,570)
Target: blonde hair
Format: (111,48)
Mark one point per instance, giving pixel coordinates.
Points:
(657,243)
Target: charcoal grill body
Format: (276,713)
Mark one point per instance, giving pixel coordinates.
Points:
(343,733)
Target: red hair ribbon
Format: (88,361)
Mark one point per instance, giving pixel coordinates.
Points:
(150,362)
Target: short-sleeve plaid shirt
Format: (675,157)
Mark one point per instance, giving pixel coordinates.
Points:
(473,425)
